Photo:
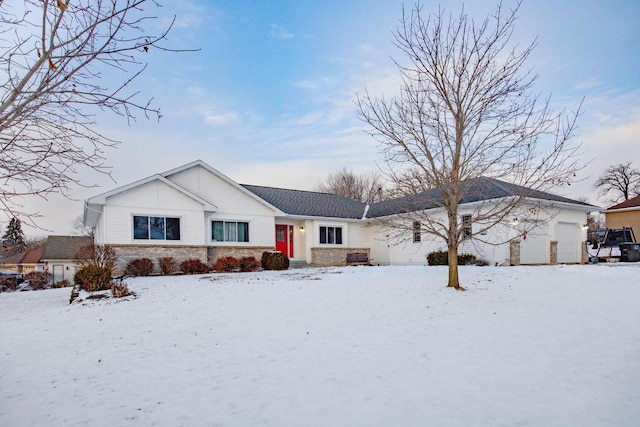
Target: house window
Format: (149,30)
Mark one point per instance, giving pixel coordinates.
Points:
(331,235)
(466,226)
(229,231)
(156,228)
(417,232)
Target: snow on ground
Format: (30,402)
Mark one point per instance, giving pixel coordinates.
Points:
(370,346)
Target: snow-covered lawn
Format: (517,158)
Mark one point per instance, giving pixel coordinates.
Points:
(369,346)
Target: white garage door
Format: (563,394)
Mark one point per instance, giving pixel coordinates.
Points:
(535,247)
(568,237)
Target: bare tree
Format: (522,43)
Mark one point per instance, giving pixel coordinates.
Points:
(466,110)
(53,57)
(618,183)
(81,229)
(366,188)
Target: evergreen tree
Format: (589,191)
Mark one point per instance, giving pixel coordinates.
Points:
(13,239)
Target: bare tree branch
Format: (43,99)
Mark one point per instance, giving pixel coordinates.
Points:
(618,183)
(466,110)
(53,57)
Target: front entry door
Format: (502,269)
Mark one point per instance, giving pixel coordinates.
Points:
(284,239)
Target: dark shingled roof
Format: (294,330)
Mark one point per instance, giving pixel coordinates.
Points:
(308,203)
(64,247)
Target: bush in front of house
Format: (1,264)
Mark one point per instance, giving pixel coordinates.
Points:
(168,265)
(227,264)
(139,267)
(92,278)
(37,280)
(61,284)
(120,290)
(442,258)
(193,266)
(96,264)
(249,264)
(8,284)
(275,260)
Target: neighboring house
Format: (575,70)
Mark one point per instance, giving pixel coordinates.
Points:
(625,214)
(55,256)
(24,262)
(195,211)
(58,256)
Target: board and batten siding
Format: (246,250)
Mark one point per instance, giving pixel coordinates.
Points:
(153,199)
(227,198)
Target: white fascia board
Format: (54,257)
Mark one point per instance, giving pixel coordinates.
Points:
(629,209)
(101,199)
(320,218)
(472,205)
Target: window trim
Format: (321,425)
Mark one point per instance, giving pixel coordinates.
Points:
(149,230)
(467,229)
(336,234)
(225,230)
(417,232)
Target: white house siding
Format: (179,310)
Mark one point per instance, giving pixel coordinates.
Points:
(261,229)
(379,244)
(228,198)
(154,198)
(534,249)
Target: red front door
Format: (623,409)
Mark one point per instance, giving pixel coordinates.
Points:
(284,239)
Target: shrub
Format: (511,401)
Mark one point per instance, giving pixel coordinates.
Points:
(120,290)
(99,256)
(139,267)
(227,263)
(168,265)
(8,284)
(37,281)
(92,278)
(193,266)
(438,258)
(442,258)
(466,259)
(61,284)
(275,260)
(249,263)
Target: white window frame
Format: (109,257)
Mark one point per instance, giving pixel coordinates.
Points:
(417,232)
(224,230)
(148,238)
(342,229)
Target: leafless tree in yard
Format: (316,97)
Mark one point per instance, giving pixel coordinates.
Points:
(466,110)
(366,188)
(82,230)
(59,60)
(619,183)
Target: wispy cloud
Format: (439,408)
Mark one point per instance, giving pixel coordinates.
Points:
(279,32)
(223,119)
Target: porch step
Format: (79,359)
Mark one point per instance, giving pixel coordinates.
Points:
(298,264)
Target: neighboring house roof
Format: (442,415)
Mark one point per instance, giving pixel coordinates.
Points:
(309,203)
(631,204)
(64,247)
(32,256)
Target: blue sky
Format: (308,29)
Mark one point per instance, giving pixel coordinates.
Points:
(269,98)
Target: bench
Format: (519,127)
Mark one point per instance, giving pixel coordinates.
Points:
(357,258)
